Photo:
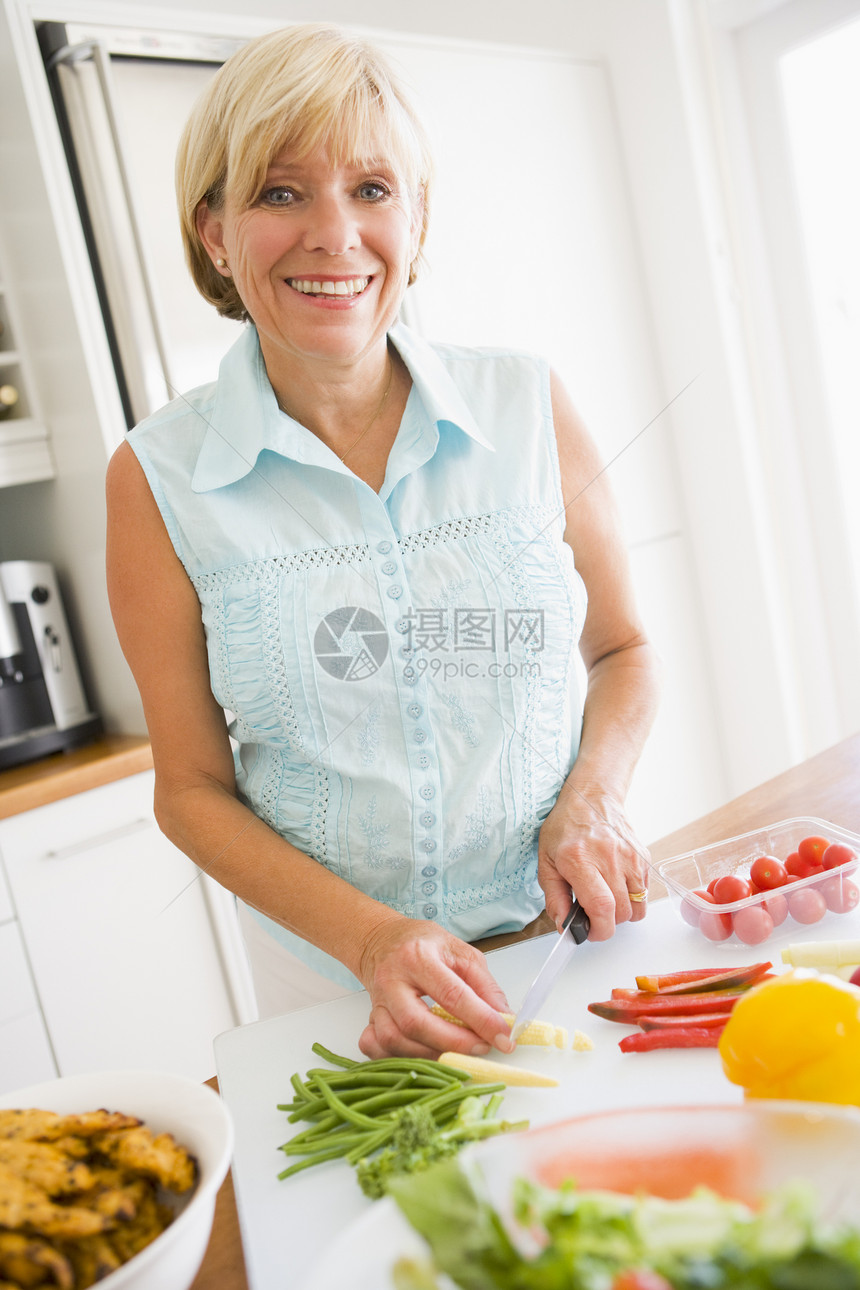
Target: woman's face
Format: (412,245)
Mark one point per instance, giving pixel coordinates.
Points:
(321,260)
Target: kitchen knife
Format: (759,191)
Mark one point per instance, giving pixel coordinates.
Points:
(573,932)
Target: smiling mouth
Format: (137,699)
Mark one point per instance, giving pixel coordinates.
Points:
(344,287)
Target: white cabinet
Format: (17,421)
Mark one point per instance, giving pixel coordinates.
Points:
(7,911)
(130,946)
(25,1053)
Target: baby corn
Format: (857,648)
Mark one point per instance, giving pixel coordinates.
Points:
(478,1068)
(543,1034)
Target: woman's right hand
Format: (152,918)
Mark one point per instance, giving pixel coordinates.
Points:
(406,960)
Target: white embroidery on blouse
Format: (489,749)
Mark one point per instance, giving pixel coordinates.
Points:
(368,736)
(376,836)
(462,719)
(477,838)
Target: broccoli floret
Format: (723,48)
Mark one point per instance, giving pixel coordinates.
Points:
(417,1142)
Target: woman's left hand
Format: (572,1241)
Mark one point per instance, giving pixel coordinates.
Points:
(587,847)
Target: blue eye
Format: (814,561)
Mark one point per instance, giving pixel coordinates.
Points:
(371,191)
(278,196)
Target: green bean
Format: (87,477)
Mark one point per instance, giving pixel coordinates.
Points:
(329,1056)
(301,1091)
(310,1160)
(343,1109)
(343,1141)
(307,1110)
(456,1095)
(373,1143)
(320,1130)
(354,1077)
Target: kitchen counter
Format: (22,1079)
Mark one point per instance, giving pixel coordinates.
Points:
(63,774)
(826,786)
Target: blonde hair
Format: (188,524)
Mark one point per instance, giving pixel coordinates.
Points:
(303,87)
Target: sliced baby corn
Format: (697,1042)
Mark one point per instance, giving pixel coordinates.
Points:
(582,1043)
(478,1068)
(543,1034)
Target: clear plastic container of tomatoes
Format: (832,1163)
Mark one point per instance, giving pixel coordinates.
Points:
(767,883)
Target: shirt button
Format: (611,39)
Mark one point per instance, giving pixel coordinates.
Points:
(410,677)
(389,567)
(415,710)
(428,819)
(383,547)
(430,911)
(402,625)
(428,888)
(395,592)
(427,791)
(428,845)
(423,760)
(429,871)
(420,736)
(406,651)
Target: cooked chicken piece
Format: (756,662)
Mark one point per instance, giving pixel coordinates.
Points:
(26,1207)
(44,1164)
(157,1157)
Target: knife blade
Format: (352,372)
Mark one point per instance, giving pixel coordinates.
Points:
(573,932)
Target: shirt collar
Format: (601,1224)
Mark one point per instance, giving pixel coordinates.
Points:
(246,419)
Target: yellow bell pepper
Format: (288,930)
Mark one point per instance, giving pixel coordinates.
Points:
(796,1036)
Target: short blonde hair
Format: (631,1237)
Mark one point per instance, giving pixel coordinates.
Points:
(303,87)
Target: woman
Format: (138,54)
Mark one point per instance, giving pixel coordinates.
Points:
(361,546)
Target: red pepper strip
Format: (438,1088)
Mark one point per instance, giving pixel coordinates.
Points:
(645,1041)
(708,1020)
(702,979)
(629,1010)
(643,996)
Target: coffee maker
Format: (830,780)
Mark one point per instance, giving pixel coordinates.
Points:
(42,704)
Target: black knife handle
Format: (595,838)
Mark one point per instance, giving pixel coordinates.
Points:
(577,922)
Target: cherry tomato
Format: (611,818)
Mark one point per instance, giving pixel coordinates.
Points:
(837,854)
(729,888)
(712,884)
(752,925)
(812,849)
(640,1279)
(798,867)
(807,905)
(855,977)
(767,872)
(715,926)
(777,906)
(690,912)
(840,894)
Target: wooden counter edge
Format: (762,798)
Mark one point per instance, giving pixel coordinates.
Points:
(223,1266)
(38,783)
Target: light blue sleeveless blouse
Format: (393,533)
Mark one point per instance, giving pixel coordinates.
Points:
(400,667)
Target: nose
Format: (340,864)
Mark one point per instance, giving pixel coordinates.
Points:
(332,226)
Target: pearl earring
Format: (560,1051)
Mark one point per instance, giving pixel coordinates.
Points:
(221,262)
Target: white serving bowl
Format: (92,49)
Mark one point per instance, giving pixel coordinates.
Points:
(198,1120)
(741,1152)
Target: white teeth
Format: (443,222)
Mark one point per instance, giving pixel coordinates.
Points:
(349,287)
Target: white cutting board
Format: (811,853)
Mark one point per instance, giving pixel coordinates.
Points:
(287,1226)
